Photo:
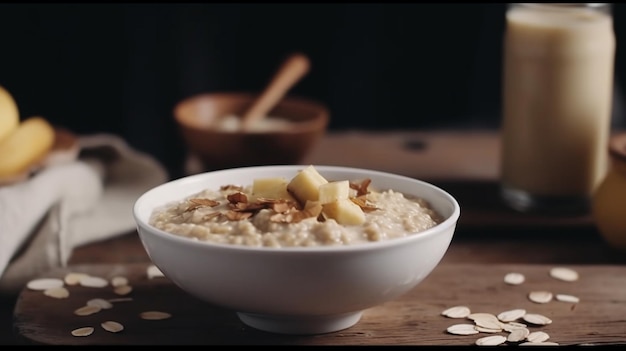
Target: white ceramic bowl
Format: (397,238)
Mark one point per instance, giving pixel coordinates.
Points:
(310,290)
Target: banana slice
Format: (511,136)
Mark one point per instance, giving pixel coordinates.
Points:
(28,144)
(9,114)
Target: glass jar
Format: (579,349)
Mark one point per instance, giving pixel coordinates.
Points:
(609,200)
(557,101)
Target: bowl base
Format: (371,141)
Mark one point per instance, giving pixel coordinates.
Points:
(300,324)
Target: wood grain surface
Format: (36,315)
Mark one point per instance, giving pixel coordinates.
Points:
(413,319)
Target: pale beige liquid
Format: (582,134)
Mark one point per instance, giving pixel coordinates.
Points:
(558,86)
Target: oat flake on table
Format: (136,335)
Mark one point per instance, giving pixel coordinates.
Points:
(457,312)
(564,274)
(44,284)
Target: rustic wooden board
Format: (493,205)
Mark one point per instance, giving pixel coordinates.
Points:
(414,319)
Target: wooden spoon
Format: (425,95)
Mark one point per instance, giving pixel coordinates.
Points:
(289,73)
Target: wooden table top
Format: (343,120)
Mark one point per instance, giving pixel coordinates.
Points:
(412,319)
(489,240)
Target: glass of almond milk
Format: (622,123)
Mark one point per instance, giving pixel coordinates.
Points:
(557,104)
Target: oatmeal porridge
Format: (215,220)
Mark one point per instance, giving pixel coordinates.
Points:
(337,213)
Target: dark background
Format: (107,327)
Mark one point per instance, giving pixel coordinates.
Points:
(120,68)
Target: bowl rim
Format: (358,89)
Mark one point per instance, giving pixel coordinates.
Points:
(439,229)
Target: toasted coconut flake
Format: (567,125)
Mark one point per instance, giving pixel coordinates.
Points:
(361,201)
(44,284)
(237,197)
(361,187)
(281,207)
(231,187)
(198,203)
(211,215)
(295,216)
(84,331)
(237,216)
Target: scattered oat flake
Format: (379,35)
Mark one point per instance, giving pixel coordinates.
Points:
(456,312)
(102,303)
(123,290)
(44,283)
(545,343)
(154,272)
(93,282)
(567,298)
(537,319)
(87,310)
(119,281)
(85,331)
(564,274)
(482,315)
(488,323)
(511,315)
(538,336)
(487,330)
(57,293)
(514,278)
(491,340)
(510,326)
(462,329)
(111,326)
(518,335)
(154,315)
(540,296)
(73,278)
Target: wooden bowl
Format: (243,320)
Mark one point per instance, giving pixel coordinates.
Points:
(198,118)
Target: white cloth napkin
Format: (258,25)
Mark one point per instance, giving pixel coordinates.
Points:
(70,204)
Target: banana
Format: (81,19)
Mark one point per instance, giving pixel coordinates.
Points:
(29,143)
(9,114)
(305,185)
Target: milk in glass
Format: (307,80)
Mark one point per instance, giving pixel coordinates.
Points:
(557,100)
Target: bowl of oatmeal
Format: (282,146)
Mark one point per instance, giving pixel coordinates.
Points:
(296,249)
(211,128)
